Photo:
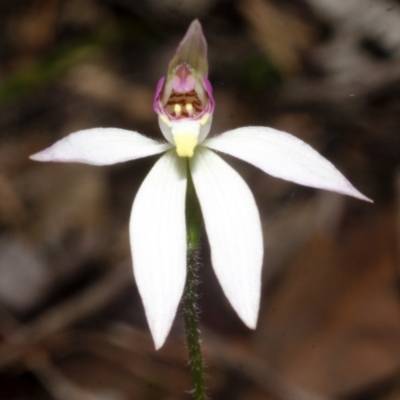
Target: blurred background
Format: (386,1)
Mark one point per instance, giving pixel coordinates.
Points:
(72,325)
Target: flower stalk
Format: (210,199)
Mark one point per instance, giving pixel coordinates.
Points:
(193,226)
(192,329)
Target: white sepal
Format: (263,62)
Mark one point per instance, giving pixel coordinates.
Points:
(101,146)
(158,242)
(234,231)
(284,156)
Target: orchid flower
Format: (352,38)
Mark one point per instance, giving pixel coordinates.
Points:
(184,103)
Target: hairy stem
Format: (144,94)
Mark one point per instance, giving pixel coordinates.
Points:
(193,221)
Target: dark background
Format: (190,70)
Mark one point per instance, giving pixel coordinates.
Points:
(71,322)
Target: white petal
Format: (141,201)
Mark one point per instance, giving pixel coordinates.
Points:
(158,242)
(101,146)
(284,156)
(234,231)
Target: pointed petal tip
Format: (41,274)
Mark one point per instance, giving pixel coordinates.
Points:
(159,333)
(351,191)
(360,196)
(249,313)
(197,28)
(35,157)
(160,330)
(159,342)
(40,156)
(194,31)
(251,322)
(195,25)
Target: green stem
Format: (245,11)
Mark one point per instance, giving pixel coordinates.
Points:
(193,222)
(192,330)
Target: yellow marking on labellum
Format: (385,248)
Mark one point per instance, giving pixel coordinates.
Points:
(185,143)
(189,109)
(178,110)
(164,119)
(204,119)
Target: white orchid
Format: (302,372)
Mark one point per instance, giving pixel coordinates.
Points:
(185,105)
